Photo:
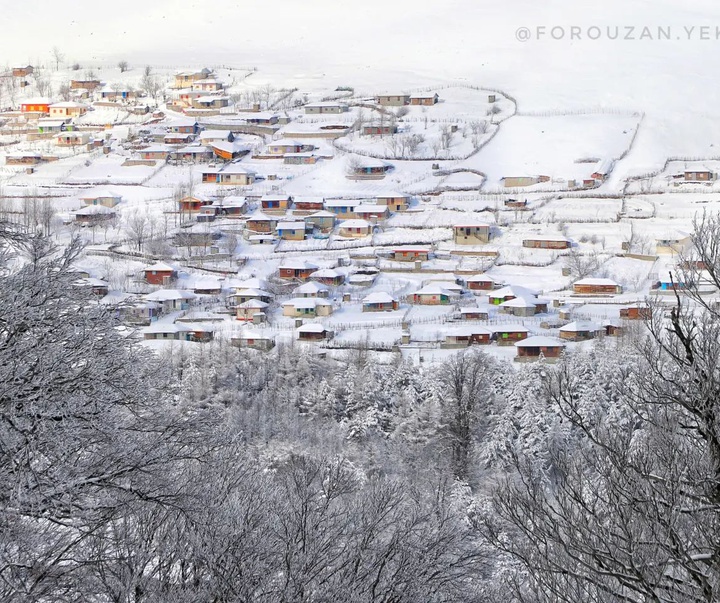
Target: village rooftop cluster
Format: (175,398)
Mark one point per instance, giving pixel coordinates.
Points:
(405,221)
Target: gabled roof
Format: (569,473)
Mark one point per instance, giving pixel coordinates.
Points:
(379,297)
(580,325)
(538,341)
(159,267)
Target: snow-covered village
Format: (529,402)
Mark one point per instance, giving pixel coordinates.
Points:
(395,303)
(413,221)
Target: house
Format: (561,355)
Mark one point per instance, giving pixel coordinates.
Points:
(480,282)
(523,306)
(325,108)
(23,158)
(393,100)
(210,136)
(602,170)
(699,174)
(311,204)
(636,312)
(183,125)
(546,242)
(260,223)
(328,276)
(155,152)
(596,286)
(72,139)
(411,254)
(367,168)
(67,109)
(36,105)
(509,334)
(227,207)
(210,102)
(431,295)
(313,332)
(291,231)
(185,79)
(394,201)
(296,269)
(94,214)
(673,242)
(355,228)
(467,335)
(191,154)
(278,203)
(106,198)
(171,300)
(88,85)
(379,129)
(255,338)
(307,307)
(342,208)
(262,119)
(193,203)
(22,71)
(504,294)
(324,221)
(379,302)
(246,310)
(168,330)
(533,348)
(227,151)
(94,286)
(613,328)
(300,159)
(372,213)
(312,289)
(230,174)
(49,125)
(580,330)
(515,204)
(471,233)
(208,84)
(284,145)
(211,285)
(249,292)
(178,138)
(474,314)
(424,98)
(117,92)
(159,274)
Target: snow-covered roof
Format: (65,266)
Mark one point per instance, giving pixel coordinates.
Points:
(170,294)
(311,327)
(297,265)
(479,278)
(596,281)
(379,297)
(521,301)
(253,303)
(306,302)
(514,290)
(509,329)
(433,289)
(311,287)
(321,214)
(538,341)
(355,223)
(290,226)
(370,209)
(580,325)
(159,267)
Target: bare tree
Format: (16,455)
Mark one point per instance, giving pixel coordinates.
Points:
(137,228)
(581,265)
(65,91)
(58,57)
(123,66)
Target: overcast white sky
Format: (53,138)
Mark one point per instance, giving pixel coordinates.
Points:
(408,42)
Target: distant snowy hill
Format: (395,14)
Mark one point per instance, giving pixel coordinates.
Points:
(395,44)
